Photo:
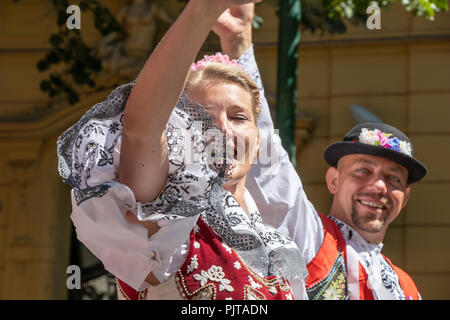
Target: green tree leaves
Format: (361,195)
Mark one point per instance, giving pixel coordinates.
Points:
(75,60)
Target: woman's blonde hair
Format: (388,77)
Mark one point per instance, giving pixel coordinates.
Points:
(215,72)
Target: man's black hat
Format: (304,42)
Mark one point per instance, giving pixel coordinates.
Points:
(381,140)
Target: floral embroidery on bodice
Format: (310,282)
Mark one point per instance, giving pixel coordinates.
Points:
(214,271)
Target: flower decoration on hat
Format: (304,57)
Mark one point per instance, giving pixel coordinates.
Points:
(386,140)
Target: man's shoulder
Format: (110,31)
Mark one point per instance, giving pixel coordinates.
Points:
(400,272)
(328,224)
(332,231)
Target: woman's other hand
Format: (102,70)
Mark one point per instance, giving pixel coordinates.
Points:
(234,28)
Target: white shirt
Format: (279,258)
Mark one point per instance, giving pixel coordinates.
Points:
(382,278)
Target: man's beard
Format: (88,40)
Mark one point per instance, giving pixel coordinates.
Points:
(363,223)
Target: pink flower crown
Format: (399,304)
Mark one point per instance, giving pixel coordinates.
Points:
(217,58)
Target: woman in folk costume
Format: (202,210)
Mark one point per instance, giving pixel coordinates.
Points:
(171,152)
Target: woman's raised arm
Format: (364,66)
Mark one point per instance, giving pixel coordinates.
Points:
(143,162)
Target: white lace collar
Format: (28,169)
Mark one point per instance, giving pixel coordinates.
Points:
(352,236)
(384,281)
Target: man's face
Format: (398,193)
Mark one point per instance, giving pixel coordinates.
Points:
(369,193)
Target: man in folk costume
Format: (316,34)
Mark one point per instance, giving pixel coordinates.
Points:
(369,178)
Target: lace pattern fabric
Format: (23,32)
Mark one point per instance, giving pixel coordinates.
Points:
(105,120)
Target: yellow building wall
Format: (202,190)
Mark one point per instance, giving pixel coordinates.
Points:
(401,73)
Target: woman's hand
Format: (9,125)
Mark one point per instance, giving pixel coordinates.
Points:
(234,28)
(152,227)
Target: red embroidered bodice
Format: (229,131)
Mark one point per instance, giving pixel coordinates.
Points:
(213,270)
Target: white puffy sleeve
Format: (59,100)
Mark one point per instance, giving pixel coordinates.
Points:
(275,184)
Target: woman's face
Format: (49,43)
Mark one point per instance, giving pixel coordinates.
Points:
(230,107)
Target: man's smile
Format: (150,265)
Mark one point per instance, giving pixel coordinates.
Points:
(374,204)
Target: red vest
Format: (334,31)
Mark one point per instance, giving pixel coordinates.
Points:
(326,272)
(212,270)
